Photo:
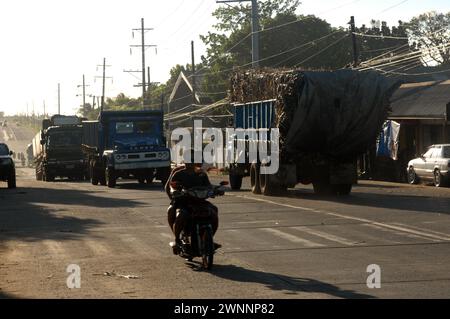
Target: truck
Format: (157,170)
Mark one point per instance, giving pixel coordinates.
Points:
(325,120)
(57,149)
(128,145)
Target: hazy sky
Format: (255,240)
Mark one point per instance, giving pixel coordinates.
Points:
(47,41)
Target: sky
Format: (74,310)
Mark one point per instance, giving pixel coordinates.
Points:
(47,42)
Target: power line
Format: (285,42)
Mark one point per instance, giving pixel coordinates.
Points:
(323,50)
(392,7)
(379,36)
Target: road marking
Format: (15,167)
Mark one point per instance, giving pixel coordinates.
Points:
(167,235)
(96,247)
(363,220)
(55,248)
(327,236)
(140,247)
(5,136)
(422,229)
(250,236)
(398,233)
(292,238)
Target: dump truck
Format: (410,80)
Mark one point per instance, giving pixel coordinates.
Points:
(325,121)
(57,149)
(128,145)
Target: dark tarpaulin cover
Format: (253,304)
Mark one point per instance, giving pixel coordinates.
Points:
(334,113)
(339,113)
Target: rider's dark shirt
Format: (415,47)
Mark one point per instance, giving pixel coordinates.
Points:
(191,179)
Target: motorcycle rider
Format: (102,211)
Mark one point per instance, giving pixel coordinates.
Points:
(188,176)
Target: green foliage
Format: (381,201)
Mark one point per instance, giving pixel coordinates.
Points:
(431,32)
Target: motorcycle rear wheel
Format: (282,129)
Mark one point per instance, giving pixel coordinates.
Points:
(208,249)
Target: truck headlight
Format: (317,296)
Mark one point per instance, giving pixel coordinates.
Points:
(165,156)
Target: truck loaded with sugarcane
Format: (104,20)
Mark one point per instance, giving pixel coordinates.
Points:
(325,121)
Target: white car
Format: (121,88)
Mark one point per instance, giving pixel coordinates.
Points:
(433,166)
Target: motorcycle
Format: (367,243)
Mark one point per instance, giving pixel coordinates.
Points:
(197,236)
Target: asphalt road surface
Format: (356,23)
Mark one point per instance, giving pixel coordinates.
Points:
(298,245)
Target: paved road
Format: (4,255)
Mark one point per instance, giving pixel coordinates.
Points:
(295,246)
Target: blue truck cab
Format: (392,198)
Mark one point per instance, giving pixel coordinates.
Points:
(126,144)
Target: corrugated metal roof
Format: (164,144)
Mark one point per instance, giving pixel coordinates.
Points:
(421,100)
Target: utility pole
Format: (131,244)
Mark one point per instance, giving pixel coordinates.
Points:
(193,72)
(143,47)
(103,87)
(255,29)
(148,79)
(355,48)
(44,108)
(84,91)
(104,77)
(59,98)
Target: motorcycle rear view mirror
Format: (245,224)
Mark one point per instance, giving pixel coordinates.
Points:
(224,183)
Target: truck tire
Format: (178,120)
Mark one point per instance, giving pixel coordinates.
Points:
(46,177)
(163,174)
(141,180)
(342,189)
(254,179)
(322,188)
(110,177)
(235,181)
(268,186)
(94,175)
(12,180)
(38,173)
(102,179)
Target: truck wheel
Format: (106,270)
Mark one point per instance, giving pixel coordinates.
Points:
(102,179)
(254,179)
(342,189)
(12,180)
(163,174)
(149,180)
(322,188)
(46,177)
(110,177)
(235,181)
(268,186)
(94,179)
(38,174)
(141,180)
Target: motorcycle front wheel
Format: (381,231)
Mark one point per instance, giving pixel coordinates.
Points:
(208,248)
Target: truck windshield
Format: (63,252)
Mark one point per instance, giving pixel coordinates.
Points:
(4,149)
(60,139)
(136,127)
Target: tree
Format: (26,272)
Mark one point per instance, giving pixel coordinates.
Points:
(287,40)
(430,32)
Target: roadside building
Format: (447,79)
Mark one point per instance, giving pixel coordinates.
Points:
(423,111)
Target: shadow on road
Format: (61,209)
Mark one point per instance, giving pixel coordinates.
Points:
(29,214)
(415,203)
(278,282)
(4,295)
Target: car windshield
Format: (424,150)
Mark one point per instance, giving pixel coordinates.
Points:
(4,149)
(59,139)
(446,153)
